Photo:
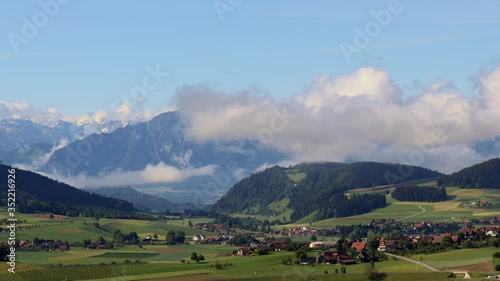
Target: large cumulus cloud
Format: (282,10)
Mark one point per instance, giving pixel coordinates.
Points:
(357,116)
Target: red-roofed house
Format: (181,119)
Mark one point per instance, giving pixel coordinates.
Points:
(437,239)
(359,246)
(245,251)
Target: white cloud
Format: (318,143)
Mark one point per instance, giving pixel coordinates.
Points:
(356,116)
(23,110)
(42,160)
(124,113)
(160,173)
(362,115)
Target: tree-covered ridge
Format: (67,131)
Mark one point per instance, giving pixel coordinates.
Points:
(38,188)
(482,175)
(321,189)
(260,188)
(419,193)
(28,204)
(341,177)
(324,183)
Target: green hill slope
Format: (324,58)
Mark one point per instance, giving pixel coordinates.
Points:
(317,187)
(35,192)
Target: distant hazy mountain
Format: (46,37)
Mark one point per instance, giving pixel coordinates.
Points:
(16,133)
(141,201)
(24,140)
(161,139)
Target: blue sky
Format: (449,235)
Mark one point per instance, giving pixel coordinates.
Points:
(92,52)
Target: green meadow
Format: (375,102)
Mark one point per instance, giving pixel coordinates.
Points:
(457,258)
(75,229)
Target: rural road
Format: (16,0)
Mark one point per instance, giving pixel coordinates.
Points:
(414,261)
(423,211)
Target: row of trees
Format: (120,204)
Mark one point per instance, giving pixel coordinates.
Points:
(246,223)
(420,193)
(175,237)
(338,205)
(126,238)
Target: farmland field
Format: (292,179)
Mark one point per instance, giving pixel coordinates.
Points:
(457,258)
(75,229)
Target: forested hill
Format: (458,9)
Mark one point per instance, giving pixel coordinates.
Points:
(318,187)
(37,192)
(482,175)
(261,188)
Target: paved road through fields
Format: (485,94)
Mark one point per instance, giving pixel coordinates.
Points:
(414,261)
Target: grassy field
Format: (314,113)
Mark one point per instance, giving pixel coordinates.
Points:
(457,258)
(149,253)
(164,261)
(380,188)
(75,229)
(296,175)
(279,207)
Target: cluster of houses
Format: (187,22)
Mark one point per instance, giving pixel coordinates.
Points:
(42,244)
(483,204)
(274,246)
(329,254)
(213,239)
(297,231)
(358,249)
(99,245)
(212,227)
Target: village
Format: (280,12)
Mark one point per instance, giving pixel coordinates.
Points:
(409,238)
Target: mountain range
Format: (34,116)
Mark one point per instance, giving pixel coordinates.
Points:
(163,141)
(102,147)
(143,202)
(24,140)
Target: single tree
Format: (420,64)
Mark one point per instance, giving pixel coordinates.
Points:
(194,257)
